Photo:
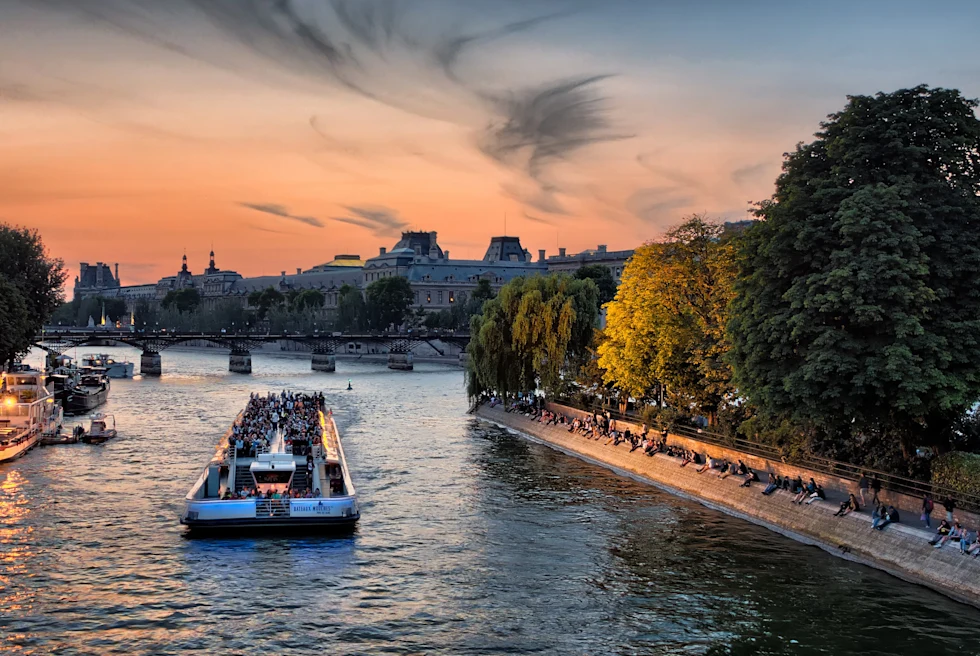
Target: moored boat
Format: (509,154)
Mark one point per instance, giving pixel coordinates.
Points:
(113,368)
(79,390)
(99,430)
(280,466)
(28,411)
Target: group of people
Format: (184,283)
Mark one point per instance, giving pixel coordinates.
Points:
(279,493)
(602,426)
(296,416)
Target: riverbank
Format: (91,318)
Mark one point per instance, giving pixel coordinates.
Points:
(900,550)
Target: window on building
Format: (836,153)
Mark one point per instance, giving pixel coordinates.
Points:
(428,297)
(440,297)
(452,297)
(416,298)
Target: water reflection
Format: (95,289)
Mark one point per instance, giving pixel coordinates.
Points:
(472,541)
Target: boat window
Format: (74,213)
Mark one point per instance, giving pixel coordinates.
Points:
(272,477)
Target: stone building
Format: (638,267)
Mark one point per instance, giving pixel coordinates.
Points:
(438,281)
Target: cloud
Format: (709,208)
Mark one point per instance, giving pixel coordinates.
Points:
(658,205)
(536,219)
(748,174)
(381,221)
(546,124)
(282,212)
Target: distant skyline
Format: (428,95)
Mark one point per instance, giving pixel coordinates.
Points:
(287,133)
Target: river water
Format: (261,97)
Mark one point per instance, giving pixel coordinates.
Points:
(471,541)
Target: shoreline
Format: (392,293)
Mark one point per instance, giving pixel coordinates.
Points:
(900,550)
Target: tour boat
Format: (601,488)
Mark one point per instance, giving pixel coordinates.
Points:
(113,368)
(98,430)
(28,412)
(277,470)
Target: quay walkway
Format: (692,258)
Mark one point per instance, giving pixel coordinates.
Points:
(902,549)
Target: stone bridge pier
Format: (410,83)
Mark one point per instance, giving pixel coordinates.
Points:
(150,363)
(324,362)
(240,361)
(401,361)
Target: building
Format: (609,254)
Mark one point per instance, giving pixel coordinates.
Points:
(438,282)
(615,261)
(95,280)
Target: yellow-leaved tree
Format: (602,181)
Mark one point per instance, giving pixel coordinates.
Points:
(666,325)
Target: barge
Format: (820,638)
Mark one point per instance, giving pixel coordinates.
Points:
(281,466)
(28,412)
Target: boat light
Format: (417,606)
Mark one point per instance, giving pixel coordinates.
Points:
(9,400)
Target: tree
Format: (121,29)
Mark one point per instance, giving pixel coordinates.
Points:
(857,311)
(30,288)
(266,299)
(389,300)
(666,325)
(145,314)
(602,277)
(534,333)
(351,311)
(308,300)
(183,301)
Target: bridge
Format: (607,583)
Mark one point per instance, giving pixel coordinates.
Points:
(400,347)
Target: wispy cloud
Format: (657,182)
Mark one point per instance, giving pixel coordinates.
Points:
(381,221)
(282,212)
(748,174)
(536,219)
(658,205)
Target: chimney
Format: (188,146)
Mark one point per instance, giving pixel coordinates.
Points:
(418,251)
(117,272)
(283,274)
(601,248)
(445,254)
(433,252)
(383,251)
(561,252)
(540,255)
(299,270)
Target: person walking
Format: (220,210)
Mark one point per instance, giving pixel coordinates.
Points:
(863,487)
(927,506)
(875,487)
(950,506)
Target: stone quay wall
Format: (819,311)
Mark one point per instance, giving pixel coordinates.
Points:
(901,550)
(910,507)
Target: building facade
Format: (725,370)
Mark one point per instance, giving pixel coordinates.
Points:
(438,282)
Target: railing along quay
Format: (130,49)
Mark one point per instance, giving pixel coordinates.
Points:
(893,482)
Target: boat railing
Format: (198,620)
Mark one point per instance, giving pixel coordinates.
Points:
(272,507)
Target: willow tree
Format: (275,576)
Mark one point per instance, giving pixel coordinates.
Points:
(857,307)
(533,334)
(666,325)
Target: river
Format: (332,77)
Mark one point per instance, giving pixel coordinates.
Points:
(471,541)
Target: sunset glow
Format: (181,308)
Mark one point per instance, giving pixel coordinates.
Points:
(136,130)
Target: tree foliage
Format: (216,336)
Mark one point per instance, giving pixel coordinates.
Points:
(30,289)
(351,315)
(531,333)
(602,277)
(857,309)
(183,301)
(389,300)
(263,300)
(666,325)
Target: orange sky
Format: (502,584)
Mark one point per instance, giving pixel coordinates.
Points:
(131,133)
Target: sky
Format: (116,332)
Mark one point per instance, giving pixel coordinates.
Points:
(283,132)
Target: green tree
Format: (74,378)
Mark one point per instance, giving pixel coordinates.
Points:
(308,300)
(184,301)
(30,289)
(602,277)
(666,325)
(146,315)
(389,300)
(265,299)
(351,310)
(535,333)
(857,310)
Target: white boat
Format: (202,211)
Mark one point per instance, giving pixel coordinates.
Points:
(282,485)
(27,412)
(99,429)
(113,368)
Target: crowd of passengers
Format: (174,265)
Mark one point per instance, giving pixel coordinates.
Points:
(602,427)
(296,416)
(282,493)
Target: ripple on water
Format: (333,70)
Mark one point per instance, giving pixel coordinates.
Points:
(472,541)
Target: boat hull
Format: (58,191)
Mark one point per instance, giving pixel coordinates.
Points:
(77,403)
(119,370)
(15,451)
(98,438)
(259,524)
